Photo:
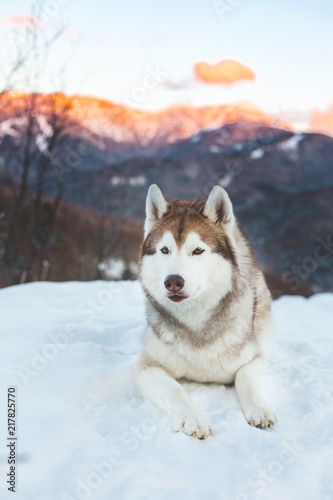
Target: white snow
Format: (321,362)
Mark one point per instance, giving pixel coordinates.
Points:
(41,142)
(114,268)
(291,143)
(196,137)
(225,180)
(139,180)
(44,125)
(83,433)
(7,126)
(214,148)
(256,154)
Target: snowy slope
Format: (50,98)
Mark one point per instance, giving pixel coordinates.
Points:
(69,350)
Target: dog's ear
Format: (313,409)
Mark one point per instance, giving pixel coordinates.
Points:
(218,207)
(155,207)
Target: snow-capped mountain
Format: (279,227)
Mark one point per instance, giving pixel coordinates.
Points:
(281,182)
(107,124)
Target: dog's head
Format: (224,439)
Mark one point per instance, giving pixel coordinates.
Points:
(188,249)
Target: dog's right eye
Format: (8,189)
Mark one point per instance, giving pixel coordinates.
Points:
(165,250)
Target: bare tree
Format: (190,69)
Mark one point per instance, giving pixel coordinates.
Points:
(10,256)
(43,125)
(57,125)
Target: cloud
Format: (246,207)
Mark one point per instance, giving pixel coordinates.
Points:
(227,71)
(177,85)
(21,21)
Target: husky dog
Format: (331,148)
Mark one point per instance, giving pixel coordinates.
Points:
(208,309)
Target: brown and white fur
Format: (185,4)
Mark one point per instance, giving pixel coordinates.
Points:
(208,309)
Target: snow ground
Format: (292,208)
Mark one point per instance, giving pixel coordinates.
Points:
(83,433)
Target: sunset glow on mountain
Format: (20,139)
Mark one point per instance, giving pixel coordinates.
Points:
(322,121)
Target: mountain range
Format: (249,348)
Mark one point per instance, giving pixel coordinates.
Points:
(281,182)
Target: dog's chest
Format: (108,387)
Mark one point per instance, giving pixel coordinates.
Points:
(213,362)
(217,362)
(205,348)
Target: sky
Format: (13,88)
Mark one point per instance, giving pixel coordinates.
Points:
(144,53)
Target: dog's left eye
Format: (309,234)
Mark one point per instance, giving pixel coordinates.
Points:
(197,251)
(165,250)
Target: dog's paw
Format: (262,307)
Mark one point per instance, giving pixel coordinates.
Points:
(260,416)
(193,424)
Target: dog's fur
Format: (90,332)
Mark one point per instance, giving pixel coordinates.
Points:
(214,331)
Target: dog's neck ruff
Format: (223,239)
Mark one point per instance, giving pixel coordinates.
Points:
(205,333)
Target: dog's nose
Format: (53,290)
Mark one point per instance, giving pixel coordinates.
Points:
(174,283)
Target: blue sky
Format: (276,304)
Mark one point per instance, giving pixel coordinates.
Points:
(288,45)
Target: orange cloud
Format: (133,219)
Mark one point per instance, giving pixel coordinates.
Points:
(227,71)
(21,21)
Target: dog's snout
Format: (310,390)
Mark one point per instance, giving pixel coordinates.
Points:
(174,283)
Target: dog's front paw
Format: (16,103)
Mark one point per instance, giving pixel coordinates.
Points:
(193,424)
(260,416)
